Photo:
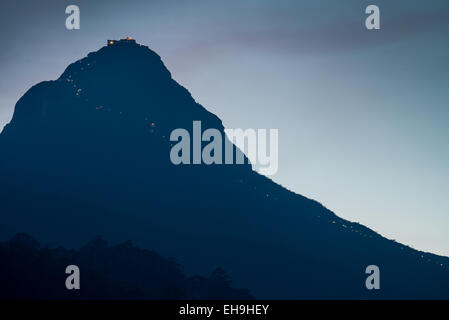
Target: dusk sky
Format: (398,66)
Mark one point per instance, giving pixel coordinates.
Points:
(362,115)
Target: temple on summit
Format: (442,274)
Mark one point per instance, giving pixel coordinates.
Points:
(127,40)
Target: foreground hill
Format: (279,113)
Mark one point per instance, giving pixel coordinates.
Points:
(106,272)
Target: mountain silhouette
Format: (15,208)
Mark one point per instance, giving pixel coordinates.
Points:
(88,154)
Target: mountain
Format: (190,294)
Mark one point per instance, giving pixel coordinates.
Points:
(88,154)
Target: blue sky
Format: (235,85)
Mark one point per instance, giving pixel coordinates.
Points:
(362,115)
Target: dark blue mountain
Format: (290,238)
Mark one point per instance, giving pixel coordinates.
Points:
(88,154)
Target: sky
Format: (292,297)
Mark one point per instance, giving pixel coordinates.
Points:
(362,115)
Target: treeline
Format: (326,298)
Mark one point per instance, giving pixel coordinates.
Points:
(31,271)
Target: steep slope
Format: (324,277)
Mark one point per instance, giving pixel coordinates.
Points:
(88,154)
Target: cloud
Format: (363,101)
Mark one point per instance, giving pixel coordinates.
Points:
(279,31)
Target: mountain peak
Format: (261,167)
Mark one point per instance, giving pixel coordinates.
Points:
(123,87)
(119,58)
